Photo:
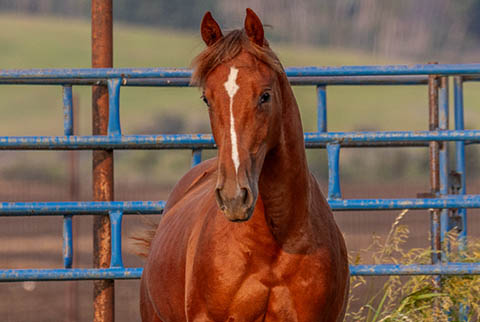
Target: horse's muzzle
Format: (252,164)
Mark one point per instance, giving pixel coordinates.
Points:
(237,207)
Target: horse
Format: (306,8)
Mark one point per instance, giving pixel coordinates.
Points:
(248,235)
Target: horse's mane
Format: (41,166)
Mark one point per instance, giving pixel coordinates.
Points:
(227,48)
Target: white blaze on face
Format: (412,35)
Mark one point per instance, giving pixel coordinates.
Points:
(232,88)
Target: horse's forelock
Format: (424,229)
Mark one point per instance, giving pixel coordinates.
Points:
(226,49)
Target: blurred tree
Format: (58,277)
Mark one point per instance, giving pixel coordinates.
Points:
(473,24)
(174,14)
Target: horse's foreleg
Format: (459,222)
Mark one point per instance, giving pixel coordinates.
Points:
(281,306)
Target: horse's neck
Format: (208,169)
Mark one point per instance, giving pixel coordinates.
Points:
(285,179)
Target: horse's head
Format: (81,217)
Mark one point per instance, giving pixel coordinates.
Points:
(239,76)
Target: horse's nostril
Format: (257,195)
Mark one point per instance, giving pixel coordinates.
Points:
(243,199)
(247,197)
(244,196)
(220,201)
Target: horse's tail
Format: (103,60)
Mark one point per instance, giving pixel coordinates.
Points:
(143,240)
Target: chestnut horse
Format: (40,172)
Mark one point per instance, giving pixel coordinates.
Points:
(248,235)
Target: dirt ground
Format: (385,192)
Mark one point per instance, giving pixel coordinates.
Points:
(27,242)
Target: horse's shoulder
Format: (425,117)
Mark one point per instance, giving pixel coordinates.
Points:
(192,178)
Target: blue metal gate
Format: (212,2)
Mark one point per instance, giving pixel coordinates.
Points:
(435,76)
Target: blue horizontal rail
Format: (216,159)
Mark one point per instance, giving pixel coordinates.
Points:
(104,73)
(446,202)
(67,274)
(89,142)
(419,69)
(62,274)
(294,80)
(392,136)
(80,208)
(185,81)
(416,269)
(205,141)
(156,207)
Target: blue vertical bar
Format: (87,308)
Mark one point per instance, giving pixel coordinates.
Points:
(116,227)
(196,157)
(67,110)
(333,150)
(460,169)
(67,241)
(443,154)
(321,108)
(460,154)
(114,106)
(67,219)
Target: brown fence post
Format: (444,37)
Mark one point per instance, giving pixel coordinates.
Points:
(102,56)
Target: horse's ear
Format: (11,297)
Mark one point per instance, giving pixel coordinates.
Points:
(254,28)
(210,29)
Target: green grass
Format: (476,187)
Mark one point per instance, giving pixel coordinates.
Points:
(52,42)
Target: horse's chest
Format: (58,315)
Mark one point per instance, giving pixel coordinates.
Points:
(256,284)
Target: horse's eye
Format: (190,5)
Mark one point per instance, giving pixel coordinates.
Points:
(205,100)
(265,98)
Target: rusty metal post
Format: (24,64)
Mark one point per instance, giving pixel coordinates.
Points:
(443,106)
(102,56)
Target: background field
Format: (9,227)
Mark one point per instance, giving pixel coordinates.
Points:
(52,42)
(38,42)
